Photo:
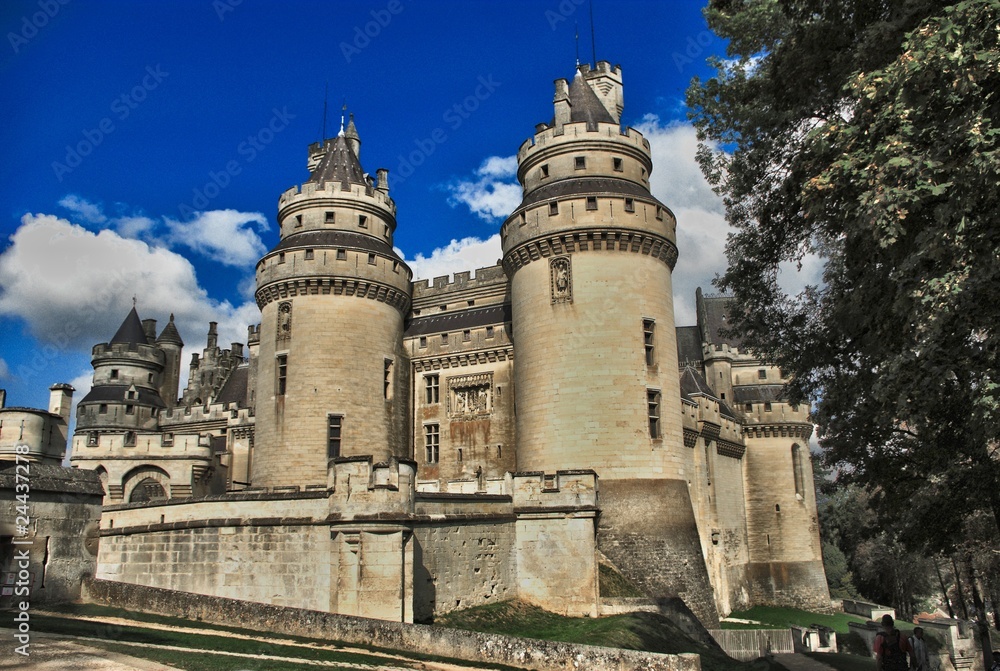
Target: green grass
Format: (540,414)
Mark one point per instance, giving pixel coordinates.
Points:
(635,631)
(614,584)
(779,618)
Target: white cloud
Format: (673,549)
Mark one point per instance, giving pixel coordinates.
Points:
(4,370)
(492,193)
(457,256)
(74,287)
(224,235)
(136,226)
(84,209)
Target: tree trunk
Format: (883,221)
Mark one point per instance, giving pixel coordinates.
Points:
(944,590)
(982,624)
(958,586)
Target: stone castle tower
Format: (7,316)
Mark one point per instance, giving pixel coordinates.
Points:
(333,297)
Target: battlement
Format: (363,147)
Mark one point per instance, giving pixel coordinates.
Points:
(214,412)
(603,67)
(572,488)
(311,191)
(490,276)
(357,484)
(549,136)
(132,351)
(253,335)
(89,445)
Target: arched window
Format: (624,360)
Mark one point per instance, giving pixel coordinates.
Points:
(797,471)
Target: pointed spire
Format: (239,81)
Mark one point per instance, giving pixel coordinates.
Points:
(344,109)
(131,331)
(353,139)
(169,334)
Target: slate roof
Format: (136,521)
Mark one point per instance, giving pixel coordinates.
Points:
(692,383)
(339,164)
(169,333)
(585,105)
(54,478)
(591,186)
(235,388)
(131,331)
(457,321)
(759,393)
(688,345)
(334,238)
(115,393)
(712,318)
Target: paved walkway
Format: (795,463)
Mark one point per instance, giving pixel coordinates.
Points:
(797,662)
(53,653)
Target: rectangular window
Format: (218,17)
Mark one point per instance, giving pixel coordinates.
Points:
(102,408)
(767,406)
(432,442)
(281,257)
(298,221)
(591,202)
(432,388)
(341,254)
(334,427)
(92,439)
(762,374)
(466,335)
(362,221)
(282,370)
(371,258)
(330,217)
(580,162)
(748,407)
(444,338)
(129,409)
(489,332)
(653,404)
(114,373)
(553,208)
(460,455)
(630,205)
(387,380)
(619,165)
(168,439)
(310,254)
(130,439)
(659,213)
(545,170)
(648,331)
(423,341)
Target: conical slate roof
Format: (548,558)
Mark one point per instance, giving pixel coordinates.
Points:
(131,331)
(585,105)
(169,334)
(339,164)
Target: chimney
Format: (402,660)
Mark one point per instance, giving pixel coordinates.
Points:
(237,349)
(561,103)
(382,183)
(213,336)
(149,328)
(3,398)
(60,400)
(194,360)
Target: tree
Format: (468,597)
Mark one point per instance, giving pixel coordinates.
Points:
(866,133)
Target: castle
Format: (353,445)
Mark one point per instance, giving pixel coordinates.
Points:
(399,449)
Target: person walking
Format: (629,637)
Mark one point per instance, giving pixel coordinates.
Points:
(919,659)
(891,647)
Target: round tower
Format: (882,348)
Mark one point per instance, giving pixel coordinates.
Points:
(590,252)
(333,295)
(125,395)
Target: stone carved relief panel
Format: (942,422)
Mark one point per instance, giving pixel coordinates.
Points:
(470,396)
(284,332)
(561,279)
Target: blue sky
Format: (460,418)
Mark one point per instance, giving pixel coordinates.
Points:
(146,145)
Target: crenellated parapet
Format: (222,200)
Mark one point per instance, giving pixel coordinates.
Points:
(541,491)
(311,192)
(359,487)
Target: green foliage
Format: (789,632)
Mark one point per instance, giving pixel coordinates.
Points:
(838,574)
(866,134)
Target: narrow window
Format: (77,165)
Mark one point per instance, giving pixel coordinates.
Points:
(460,454)
(282,370)
(362,221)
(423,341)
(168,439)
(630,205)
(330,217)
(767,407)
(92,439)
(114,373)
(748,407)
(298,221)
(524,219)
(431,387)
(102,409)
(553,208)
(130,439)
(432,442)
(489,332)
(619,165)
(659,213)
(591,202)
(466,335)
(387,380)
(545,170)
(444,338)
(341,254)
(470,303)
(648,331)
(797,470)
(149,378)
(129,409)
(334,427)
(644,174)
(395,266)
(653,404)
(762,374)
(371,258)
(281,257)
(310,254)
(580,162)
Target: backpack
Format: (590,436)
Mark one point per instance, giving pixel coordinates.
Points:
(893,657)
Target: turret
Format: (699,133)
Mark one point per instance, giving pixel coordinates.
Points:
(330,376)
(170,343)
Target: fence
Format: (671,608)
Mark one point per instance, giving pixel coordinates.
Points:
(747,645)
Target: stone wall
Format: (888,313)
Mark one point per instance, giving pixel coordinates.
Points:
(64,508)
(439,641)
